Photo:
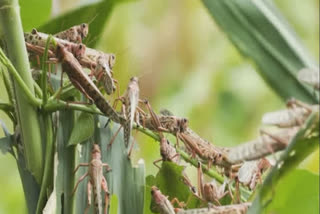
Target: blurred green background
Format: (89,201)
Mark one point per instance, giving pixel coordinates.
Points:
(185,64)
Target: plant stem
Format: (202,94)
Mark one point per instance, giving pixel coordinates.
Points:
(49,156)
(44,71)
(11,26)
(56,105)
(8,109)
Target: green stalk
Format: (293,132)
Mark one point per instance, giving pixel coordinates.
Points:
(44,71)
(48,172)
(7,84)
(11,26)
(8,110)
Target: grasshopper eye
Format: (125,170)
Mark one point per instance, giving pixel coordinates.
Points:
(34,31)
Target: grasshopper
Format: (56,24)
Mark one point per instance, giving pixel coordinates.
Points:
(251,171)
(162,204)
(131,100)
(96,181)
(179,127)
(81,81)
(167,151)
(103,72)
(204,149)
(310,76)
(167,123)
(262,146)
(295,115)
(130,109)
(228,209)
(74,34)
(210,192)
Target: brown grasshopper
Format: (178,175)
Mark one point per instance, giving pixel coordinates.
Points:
(210,192)
(295,115)
(103,72)
(162,204)
(204,149)
(81,81)
(167,151)
(227,209)
(262,146)
(96,181)
(179,128)
(167,123)
(130,110)
(130,100)
(75,33)
(250,172)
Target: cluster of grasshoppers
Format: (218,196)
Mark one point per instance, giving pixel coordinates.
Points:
(73,56)
(244,164)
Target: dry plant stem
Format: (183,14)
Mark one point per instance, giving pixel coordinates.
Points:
(11,26)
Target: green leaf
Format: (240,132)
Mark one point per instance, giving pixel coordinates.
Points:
(296,193)
(83,129)
(30,19)
(7,141)
(64,177)
(95,14)
(302,145)
(169,181)
(126,181)
(260,33)
(5,145)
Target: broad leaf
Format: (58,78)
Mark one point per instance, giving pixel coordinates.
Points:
(259,31)
(296,193)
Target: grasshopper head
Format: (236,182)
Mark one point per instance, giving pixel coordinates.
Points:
(112,60)
(84,30)
(60,51)
(134,79)
(183,124)
(96,152)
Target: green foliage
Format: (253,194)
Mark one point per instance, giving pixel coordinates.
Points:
(259,31)
(302,145)
(297,192)
(83,129)
(169,181)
